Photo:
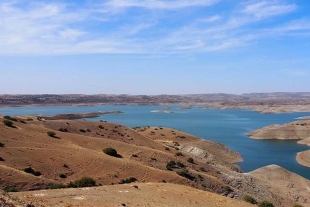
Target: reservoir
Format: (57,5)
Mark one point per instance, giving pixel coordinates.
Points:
(227,127)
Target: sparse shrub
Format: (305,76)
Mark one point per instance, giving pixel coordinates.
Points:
(57,186)
(171,164)
(100,127)
(61,175)
(63,129)
(185,174)
(298,205)
(51,134)
(83,182)
(1,144)
(1,159)
(179,154)
(227,188)
(22,121)
(12,189)
(82,130)
(190,160)
(249,199)
(8,123)
(10,118)
(65,165)
(202,169)
(128,180)
(167,148)
(180,164)
(32,171)
(88,130)
(265,204)
(110,151)
(134,155)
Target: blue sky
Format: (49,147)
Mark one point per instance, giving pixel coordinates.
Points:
(154,46)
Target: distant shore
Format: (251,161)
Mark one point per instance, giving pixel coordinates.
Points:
(264,109)
(280,102)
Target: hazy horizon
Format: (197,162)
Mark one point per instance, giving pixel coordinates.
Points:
(143,47)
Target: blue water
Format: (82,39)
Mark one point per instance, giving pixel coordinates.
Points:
(224,126)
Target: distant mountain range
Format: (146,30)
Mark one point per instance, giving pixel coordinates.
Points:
(281,98)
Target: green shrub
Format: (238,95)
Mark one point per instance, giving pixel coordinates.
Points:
(265,204)
(171,164)
(10,118)
(185,174)
(179,154)
(83,182)
(8,123)
(32,171)
(110,151)
(57,186)
(63,129)
(12,189)
(51,134)
(227,188)
(298,205)
(61,175)
(180,164)
(249,199)
(191,160)
(128,180)
(100,127)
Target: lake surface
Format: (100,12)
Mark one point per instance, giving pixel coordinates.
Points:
(224,126)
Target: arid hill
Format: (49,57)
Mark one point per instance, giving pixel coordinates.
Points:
(41,154)
(141,194)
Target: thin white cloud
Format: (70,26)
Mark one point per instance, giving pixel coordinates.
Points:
(210,19)
(263,9)
(56,28)
(160,4)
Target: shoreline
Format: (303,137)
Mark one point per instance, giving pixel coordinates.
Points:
(263,109)
(297,130)
(303,158)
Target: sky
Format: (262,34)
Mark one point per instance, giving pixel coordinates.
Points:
(154,46)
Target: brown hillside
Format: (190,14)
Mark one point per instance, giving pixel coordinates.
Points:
(28,145)
(76,151)
(146,194)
